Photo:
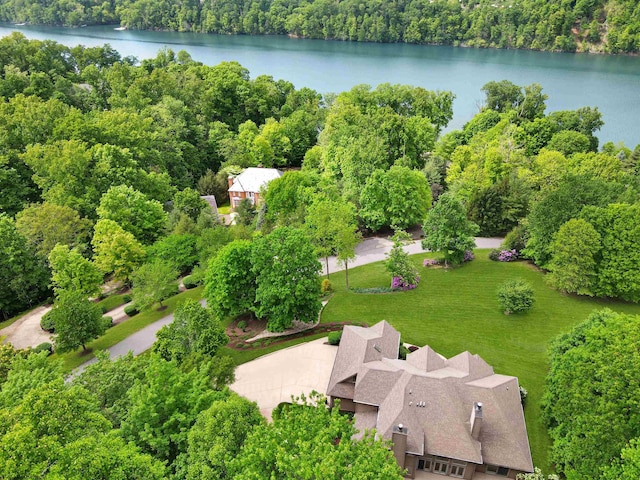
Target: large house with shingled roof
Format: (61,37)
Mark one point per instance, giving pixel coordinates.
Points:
(249,184)
(452,417)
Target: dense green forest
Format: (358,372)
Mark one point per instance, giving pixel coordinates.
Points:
(611,26)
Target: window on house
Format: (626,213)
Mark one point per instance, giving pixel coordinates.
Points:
(425,463)
(441,466)
(457,470)
(496,470)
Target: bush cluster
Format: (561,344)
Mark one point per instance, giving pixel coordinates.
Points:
(431,262)
(372,290)
(190,282)
(107,322)
(398,283)
(131,310)
(498,255)
(515,296)
(43,347)
(334,338)
(46,322)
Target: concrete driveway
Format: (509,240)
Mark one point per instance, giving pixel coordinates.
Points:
(274,378)
(26,331)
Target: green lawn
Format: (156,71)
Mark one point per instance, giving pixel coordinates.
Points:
(123,330)
(456,310)
(244,356)
(224,209)
(113,301)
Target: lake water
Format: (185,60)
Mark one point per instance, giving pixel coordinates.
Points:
(571,80)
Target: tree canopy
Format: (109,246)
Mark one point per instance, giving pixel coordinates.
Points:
(591,389)
(287,283)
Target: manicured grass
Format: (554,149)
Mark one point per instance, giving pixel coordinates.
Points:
(456,310)
(113,301)
(244,356)
(224,209)
(123,330)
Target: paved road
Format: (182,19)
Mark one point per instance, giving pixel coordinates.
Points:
(138,342)
(369,251)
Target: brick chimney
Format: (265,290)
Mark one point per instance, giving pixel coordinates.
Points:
(476,420)
(230,179)
(399,439)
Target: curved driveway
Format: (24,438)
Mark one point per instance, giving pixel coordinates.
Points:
(369,251)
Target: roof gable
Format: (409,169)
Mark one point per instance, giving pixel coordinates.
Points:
(433,397)
(252,179)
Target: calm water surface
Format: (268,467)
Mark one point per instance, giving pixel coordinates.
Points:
(571,80)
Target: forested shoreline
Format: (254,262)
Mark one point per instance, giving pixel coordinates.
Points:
(603,26)
(103,162)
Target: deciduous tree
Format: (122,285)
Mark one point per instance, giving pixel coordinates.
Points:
(330,223)
(288,286)
(70,271)
(308,440)
(218,435)
(116,251)
(134,212)
(447,230)
(230,283)
(397,198)
(24,275)
(591,385)
(77,321)
(47,224)
(574,251)
(164,407)
(194,330)
(153,282)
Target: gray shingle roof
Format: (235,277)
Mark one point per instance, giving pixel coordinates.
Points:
(432,396)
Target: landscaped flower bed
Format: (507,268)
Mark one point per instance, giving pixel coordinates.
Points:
(398,283)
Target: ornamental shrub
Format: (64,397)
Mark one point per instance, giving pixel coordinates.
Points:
(242,325)
(334,338)
(507,256)
(43,347)
(515,296)
(131,310)
(46,323)
(503,255)
(126,298)
(430,262)
(189,282)
(516,239)
(326,286)
(372,290)
(107,322)
(468,256)
(398,283)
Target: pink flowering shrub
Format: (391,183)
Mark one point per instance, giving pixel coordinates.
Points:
(430,262)
(397,283)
